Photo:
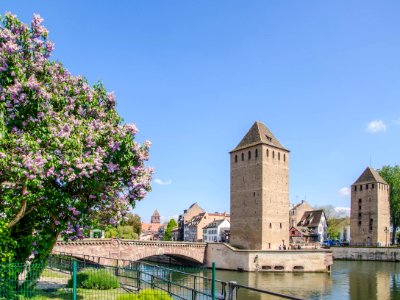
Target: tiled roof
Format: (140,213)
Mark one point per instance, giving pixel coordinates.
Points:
(370,175)
(214,224)
(259,134)
(311,218)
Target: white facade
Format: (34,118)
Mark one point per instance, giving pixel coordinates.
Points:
(323,229)
(213,232)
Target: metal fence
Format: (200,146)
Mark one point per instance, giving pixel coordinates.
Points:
(64,277)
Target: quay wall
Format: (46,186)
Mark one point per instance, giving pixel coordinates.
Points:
(367,253)
(229,258)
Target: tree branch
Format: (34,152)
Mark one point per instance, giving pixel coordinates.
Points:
(21,212)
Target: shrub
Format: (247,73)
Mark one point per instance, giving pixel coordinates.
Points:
(99,279)
(147,294)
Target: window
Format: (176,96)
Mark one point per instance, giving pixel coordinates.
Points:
(360,187)
(366,186)
(273,154)
(236,158)
(242,156)
(359,223)
(249,155)
(267,152)
(254,194)
(359,207)
(284,157)
(359,215)
(293,232)
(270,225)
(373,186)
(256,153)
(359,201)
(355,188)
(280,225)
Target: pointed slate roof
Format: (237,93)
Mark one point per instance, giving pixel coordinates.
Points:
(156,213)
(370,175)
(259,134)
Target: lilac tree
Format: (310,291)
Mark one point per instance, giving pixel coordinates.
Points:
(65,154)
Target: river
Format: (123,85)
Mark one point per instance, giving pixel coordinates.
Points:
(348,280)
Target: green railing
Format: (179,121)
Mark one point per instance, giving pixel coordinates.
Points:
(66,278)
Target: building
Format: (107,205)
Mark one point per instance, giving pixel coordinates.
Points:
(302,235)
(194,228)
(151,231)
(216,231)
(370,210)
(175,234)
(184,218)
(297,211)
(259,191)
(314,226)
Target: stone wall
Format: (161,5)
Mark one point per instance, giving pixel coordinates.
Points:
(380,254)
(230,258)
(131,249)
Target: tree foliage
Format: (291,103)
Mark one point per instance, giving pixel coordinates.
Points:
(134,221)
(171,225)
(65,154)
(392,177)
(334,226)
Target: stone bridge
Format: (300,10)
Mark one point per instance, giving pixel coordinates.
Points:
(132,250)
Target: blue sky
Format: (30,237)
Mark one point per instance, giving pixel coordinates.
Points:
(195,75)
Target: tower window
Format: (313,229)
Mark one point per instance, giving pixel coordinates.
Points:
(279,156)
(359,223)
(359,207)
(359,215)
(267,152)
(284,157)
(280,225)
(373,186)
(242,156)
(360,187)
(236,158)
(273,154)
(270,225)
(256,154)
(355,188)
(366,186)
(359,201)
(249,155)
(254,194)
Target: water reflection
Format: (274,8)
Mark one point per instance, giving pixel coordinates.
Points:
(349,280)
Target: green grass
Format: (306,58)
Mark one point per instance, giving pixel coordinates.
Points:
(55,274)
(99,279)
(147,294)
(82,294)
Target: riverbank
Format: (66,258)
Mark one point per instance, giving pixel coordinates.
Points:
(366,253)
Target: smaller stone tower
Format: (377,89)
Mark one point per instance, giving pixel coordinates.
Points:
(370,210)
(155,218)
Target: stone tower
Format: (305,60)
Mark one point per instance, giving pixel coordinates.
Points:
(155,218)
(370,210)
(259,191)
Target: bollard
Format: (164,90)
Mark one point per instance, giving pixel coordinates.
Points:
(74,269)
(213,283)
(232,290)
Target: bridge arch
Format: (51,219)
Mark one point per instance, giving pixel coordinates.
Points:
(132,250)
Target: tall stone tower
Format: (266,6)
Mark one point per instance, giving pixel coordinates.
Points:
(370,210)
(155,218)
(259,191)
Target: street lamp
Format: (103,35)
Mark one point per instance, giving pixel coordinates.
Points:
(386,233)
